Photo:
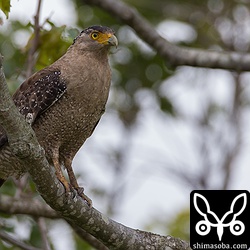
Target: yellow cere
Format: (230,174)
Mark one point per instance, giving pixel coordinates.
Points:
(101,37)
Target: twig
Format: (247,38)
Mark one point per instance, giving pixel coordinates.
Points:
(232,152)
(6,237)
(173,54)
(43,230)
(35,41)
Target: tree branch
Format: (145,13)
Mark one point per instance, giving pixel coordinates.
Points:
(43,231)
(88,237)
(173,54)
(24,144)
(36,208)
(6,237)
(35,41)
(26,206)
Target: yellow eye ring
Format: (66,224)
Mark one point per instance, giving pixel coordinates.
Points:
(94,35)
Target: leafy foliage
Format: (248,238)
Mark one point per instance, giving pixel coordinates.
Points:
(5,7)
(80,244)
(52,45)
(177,225)
(180,224)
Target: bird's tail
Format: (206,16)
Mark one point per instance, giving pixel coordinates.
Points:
(1,182)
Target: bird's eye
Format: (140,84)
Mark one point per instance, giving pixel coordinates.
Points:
(94,35)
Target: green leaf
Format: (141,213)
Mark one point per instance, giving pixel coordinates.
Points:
(81,244)
(179,226)
(5,7)
(167,106)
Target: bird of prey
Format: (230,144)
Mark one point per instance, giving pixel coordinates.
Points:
(63,103)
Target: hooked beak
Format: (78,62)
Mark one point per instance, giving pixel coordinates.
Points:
(113,41)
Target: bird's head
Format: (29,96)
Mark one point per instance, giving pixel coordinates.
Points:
(96,37)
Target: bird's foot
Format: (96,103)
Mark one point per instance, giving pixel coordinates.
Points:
(73,188)
(69,189)
(80,192)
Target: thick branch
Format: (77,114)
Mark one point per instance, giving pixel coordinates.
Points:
(23,142)
(173,54)
(21,137)
(9,116)
(88,237)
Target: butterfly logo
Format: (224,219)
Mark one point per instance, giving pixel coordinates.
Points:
(203,227)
